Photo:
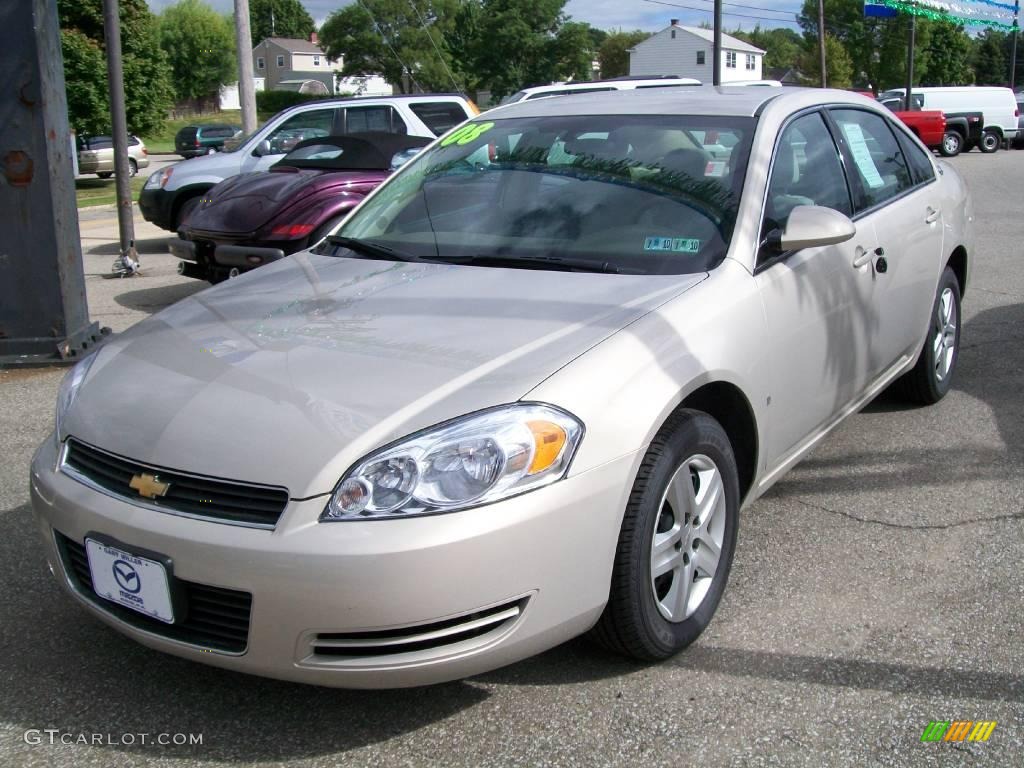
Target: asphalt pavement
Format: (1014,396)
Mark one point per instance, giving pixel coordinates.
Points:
(876,588)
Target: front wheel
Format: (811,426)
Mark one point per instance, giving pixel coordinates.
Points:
(930,379)
(676,543)
(989,142)
(105,174)
(952,144)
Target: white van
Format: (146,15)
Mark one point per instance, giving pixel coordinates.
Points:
(997,106)
(594,86)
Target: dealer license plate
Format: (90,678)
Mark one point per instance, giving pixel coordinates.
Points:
(129,580)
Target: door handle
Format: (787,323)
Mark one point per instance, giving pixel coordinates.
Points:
(862,257)
(931,215)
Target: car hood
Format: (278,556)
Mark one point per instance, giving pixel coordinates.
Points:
(288,374)
(245,203)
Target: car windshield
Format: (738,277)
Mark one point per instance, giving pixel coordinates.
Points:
(637,194)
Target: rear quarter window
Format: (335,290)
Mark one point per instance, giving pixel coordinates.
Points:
(439,116)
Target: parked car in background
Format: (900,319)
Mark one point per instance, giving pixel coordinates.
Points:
(596,86)
(170,194)
(1019,139)
(998,108)
(929,125)
(256,218)
(96,155)
(196,140)
(521,393)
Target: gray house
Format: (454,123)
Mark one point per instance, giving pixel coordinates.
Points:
(287,64)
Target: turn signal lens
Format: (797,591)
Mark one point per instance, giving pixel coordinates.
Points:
(548,441)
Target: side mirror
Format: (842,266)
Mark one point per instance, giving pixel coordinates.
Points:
(811,226)
(263,148)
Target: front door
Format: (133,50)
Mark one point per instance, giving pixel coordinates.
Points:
(816,301)
(288,133)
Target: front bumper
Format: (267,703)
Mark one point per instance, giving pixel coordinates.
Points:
(157,206)
(549,552)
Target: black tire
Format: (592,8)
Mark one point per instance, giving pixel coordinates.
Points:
(105,174)
(133,167)
(185,209)
(923,383)
(990,141)
(320,232)
(211,151)
(952,144)
(632,623)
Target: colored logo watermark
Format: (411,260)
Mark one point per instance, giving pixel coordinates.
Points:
(958,730)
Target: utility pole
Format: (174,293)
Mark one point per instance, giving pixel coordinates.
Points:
(246,88)
(909,103)
(821,41)
(128,262)
(716,71)
(1013,54)
(44,318)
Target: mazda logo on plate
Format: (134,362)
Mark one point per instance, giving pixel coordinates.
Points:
(126,576)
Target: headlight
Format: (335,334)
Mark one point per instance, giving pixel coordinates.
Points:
(474,460)
(69,388)
(160,178)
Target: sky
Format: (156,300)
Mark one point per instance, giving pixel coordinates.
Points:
(612,14)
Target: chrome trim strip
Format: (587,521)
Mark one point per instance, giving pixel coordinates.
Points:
(74,474)
(495,619)
(84,597)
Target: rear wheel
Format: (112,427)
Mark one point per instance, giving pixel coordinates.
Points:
(930,379)
(211,151)
(990,141)
(133,167)
(952,144)
(676,543)
(105,174)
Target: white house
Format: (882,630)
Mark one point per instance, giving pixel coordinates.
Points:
(688,52)
(295,65)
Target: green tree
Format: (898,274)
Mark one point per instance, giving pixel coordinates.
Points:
(860,37)
(407,41)
(279,18)
(838,66)
(200,47)
(947,54)
(574,52)
(147,76)
(782,47)
(990,66)
(613,55)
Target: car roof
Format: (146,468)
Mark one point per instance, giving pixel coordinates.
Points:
(735,101)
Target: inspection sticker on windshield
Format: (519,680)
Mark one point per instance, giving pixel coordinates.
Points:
(672,244)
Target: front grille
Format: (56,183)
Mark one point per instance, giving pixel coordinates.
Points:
(205,497)
(479,625)
(215,618)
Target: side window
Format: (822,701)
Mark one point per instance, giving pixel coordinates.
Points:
(383,119)
(700,58)
(306,125)
(920,162)
(879,169)
(280,61)
(806,171)
(260,63)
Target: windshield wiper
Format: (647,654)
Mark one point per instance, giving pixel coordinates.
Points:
(369,250)
(538,262)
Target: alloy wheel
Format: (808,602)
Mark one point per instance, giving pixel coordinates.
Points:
(688,535)
(944,340)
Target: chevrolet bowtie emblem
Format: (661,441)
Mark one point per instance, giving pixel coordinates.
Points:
(149,485)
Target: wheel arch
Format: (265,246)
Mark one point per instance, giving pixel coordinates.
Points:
(728,405)
(958,263)
(185,194)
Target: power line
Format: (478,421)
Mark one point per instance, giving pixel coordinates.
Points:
(726,13)
(430,37)
(387,42)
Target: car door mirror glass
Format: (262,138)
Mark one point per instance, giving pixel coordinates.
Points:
(263,148)
(811,226)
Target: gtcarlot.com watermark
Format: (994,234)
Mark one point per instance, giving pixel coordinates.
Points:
(55,736)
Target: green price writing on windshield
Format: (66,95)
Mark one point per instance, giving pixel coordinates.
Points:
(466,134)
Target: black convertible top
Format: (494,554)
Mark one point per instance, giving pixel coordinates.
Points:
(351,152)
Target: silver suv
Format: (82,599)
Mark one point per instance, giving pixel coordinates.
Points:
(96,155)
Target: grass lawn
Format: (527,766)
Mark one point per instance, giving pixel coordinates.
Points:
(163,140)
(103,191)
